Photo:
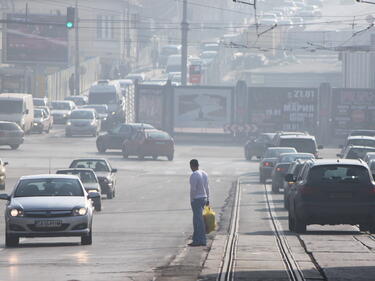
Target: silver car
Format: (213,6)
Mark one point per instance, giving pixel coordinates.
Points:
(11,134)
(83,122)
(48,206)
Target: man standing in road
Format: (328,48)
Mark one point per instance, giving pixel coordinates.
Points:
(199,197)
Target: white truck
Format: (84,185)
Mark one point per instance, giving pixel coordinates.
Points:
(18,108)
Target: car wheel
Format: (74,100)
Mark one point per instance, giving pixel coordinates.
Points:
(249,156)
(98,205)
(100,146)
(48,129)
(110,194)
(14,146)
(155,157)
(11,241)
(299,225)
(290,222)
(68,134)
(262,179)
(286,203)
(170,157)
(87,239)
(2,186)
(141,157)
(275,188)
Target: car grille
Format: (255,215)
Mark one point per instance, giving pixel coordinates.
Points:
(47,214)
(48,229)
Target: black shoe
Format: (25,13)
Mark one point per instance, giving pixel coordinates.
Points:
(196,245)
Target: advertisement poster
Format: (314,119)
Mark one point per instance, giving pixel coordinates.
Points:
(289,109)
(150,105)
(352,109)
(202,107)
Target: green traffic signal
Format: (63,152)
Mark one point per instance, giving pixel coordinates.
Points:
(69,24)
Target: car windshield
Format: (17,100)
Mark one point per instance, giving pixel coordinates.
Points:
(158,136)
(38,113)
(85,176)
(338,173)
(363,133)
(11,106)
(102,98)
(76,100)
(39,102)
(49,187)
(301,145)
(60,105)
(273,153)
(82,114)
(9,127)
(362,142)
(96,165)
(358,153)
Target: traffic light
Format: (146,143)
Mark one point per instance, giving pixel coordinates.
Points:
(70,17)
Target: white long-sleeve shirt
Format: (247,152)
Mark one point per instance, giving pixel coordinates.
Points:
(199,185)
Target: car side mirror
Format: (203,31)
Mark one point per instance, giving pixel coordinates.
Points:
(93,195)
(289,178)
(320,146)
(341,146)
(6,163)
(4,196)
(114,171)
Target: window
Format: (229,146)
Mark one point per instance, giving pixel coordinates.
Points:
(104,27)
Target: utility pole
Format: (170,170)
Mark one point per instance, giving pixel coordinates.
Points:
(77,68)
(184,43)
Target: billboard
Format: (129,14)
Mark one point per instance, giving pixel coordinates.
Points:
(44,41)
(290,109)
(352,109)
(150,100)
(203,107)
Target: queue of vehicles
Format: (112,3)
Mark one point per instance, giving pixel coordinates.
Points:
(319,191)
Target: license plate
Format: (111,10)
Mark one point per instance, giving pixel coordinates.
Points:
(48,223)
(340,195)
(159,142)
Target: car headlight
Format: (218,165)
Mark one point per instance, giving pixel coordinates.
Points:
(36,123)
(64,115)
(105,119)
(16,213)
(91,191)
(92,123)
(113,113)
(79,211)
(105,180)
(69,123)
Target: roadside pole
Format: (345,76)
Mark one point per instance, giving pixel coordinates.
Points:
(184,43)
(77,76)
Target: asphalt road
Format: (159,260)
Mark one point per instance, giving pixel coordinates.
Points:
(137,233)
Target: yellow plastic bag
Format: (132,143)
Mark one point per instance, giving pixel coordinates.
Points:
(209,219)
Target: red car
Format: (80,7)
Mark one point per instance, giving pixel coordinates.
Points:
(152,143)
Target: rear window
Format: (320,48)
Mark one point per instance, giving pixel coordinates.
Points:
(357,153)
(276,152)
(9,127)
(291,158)
(159,136)
(82,115)
(362,142)
(338,174)
(301,145)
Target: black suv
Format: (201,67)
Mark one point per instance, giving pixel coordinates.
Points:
(115,137)
(256,147)
(335,191)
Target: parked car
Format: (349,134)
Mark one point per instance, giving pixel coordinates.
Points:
(48,206)
(11,134)
(116,136)
(83,122)
(291,177)
(356,152)
(152,143)
(2,174)
(256,147)
(78,100)
(281,166)
(41,121)
(102,111)
(103,170)
(61,111)
(90,183)
(269,159)
(333,192)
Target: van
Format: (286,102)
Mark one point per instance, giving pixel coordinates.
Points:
(18,108)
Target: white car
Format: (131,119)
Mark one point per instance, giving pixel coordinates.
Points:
(48,206)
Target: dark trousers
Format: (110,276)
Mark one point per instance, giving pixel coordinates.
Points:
(199,235)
